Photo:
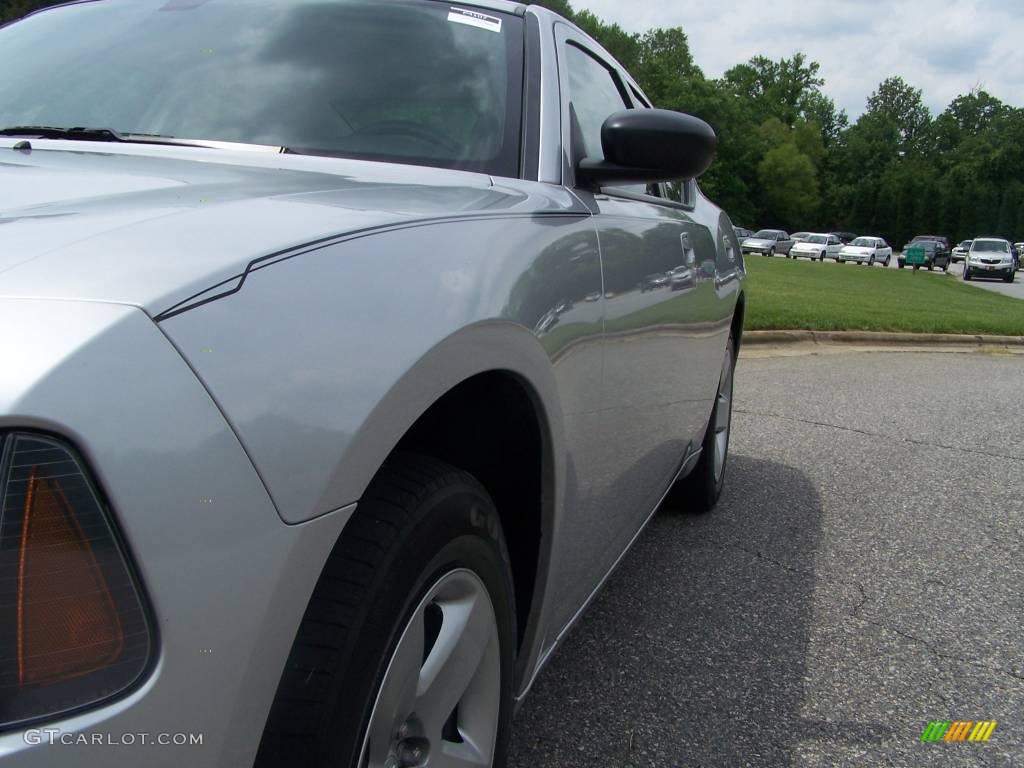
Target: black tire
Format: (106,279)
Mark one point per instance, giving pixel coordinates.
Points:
(1009,278)
(419,520)
(887,259)
(871,261)
(699,491)
(900,264)
(821,258)
(930,267)
(840,261)
(967,274)
(771,251)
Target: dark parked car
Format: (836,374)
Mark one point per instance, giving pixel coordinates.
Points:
(935,255)
(845,237)
(742,234)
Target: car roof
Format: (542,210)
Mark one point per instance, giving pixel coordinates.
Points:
(494,5)
(991,240)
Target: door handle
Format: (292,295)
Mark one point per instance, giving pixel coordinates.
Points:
(688,253)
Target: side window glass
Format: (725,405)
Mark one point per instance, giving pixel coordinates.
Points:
(594,97)
(683,192)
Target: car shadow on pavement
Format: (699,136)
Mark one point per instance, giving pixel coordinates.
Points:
(696,652)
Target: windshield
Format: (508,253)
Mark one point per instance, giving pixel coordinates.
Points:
(405,81)
(819,239)
(864,242)
(991,246)
(966,243)
(767,234)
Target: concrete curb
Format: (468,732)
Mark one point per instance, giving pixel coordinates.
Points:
(876,338)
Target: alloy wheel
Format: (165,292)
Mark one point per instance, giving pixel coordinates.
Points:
(439,702)
(723,414)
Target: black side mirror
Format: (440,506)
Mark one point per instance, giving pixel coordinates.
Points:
(649,146)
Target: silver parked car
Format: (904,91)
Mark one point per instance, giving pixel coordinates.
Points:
(990,257)
(261,501)
(768,242)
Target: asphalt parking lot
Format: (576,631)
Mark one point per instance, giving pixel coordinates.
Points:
(862,576)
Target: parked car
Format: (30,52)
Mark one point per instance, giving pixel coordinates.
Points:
(961,250)
(934,255)
(990,257)
(937,254)
(742,234)
(255,489)
(799,237)
(866,250)
(656,280)
(768,242)
(845,237)
(817,246)
(940,239)
(682,278)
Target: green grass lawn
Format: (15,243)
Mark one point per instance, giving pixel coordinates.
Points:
(785,294)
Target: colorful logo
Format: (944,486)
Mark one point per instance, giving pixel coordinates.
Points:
(958,730)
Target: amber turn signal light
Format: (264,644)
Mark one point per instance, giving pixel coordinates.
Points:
(73,631)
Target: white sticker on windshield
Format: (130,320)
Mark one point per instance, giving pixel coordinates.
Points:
(475,19)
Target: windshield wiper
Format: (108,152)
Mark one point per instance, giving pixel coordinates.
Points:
(92,134)
(110,135)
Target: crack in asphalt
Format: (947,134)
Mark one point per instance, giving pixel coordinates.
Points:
(866,433)
(758,554)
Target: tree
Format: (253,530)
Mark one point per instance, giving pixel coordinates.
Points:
(789,185)
(899,106)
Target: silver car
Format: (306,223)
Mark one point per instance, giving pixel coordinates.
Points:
(331,396)
(769,242)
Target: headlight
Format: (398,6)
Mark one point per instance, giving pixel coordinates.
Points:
(73,629)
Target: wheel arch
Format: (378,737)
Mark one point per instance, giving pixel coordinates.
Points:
(484,400)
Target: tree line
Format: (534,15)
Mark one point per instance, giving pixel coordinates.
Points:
(788,158)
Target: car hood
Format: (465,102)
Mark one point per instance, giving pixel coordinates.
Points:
(806,245)
(758,241)
(857,248)
(154,225)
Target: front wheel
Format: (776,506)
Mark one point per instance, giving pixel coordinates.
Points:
(886,262)
(771,251)
(967,274)
(700,490)
(405,654)
(871,261)
(900,264)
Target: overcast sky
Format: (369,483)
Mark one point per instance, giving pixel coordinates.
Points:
(944,47)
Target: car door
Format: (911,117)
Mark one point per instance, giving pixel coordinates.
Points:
(785,243)
(833,246)
(662,351)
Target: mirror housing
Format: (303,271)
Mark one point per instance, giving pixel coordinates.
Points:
(649,146)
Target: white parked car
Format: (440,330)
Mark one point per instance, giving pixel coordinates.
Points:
(817,246)
(960,251)
(866,250)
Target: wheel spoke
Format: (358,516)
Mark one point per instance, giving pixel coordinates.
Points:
(398,693)
(463,755)
(466,631)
